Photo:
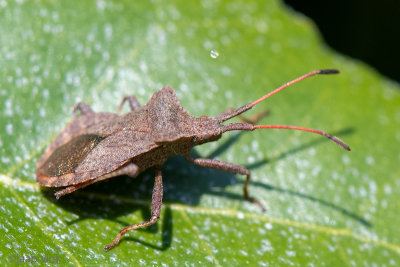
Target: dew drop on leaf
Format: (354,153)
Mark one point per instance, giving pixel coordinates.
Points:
(214,54)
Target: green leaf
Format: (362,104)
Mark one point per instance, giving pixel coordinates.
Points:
(325,206)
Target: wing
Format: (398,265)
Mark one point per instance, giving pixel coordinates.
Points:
(88,156)
(75,128)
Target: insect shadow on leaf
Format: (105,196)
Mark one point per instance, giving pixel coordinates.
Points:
(100,202)
(290,152)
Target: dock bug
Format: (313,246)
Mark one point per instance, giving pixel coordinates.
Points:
(99,146)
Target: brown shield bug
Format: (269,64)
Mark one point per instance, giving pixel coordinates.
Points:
(99,146)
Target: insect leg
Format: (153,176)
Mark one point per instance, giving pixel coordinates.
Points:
(133,103)
(253,119)
(229,167)
(130,170)
(256,117)
(82,108)
(156,203)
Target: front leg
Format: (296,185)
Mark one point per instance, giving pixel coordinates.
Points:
(255,118)
(252,120)
(156,203)
(229,167)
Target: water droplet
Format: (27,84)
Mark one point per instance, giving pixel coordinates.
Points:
(214,54)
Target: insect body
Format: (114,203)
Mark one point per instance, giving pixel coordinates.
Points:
(99,146)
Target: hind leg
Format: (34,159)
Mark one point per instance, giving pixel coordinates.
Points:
(82,108)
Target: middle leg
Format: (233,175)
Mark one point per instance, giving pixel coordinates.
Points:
(133,103)
(156,203)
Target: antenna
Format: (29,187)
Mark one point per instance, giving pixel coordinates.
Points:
(250,127)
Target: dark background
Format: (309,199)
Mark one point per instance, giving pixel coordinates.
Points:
(364,29)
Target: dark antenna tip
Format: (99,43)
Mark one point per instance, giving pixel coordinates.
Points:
(338,141)
(328,71)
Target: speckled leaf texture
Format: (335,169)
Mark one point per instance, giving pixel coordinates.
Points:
(325,206)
